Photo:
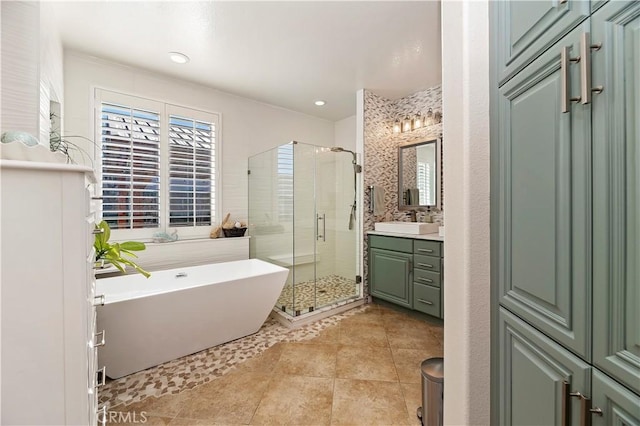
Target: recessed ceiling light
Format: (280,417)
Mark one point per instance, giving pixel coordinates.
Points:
(178,58)
(320,103)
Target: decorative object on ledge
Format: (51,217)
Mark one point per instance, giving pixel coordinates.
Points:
(416,121)
(163,237)
(234,232)
(113,252)
(229,228)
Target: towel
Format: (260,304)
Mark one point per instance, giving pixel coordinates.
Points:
(377,200)
(413,197)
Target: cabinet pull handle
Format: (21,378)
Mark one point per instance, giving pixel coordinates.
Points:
(566,402)
(425,265)
(425,250)
(100,341)
(565,96)
(585,68)
(566,405)
(426,302)
(103,420)
(98,300)
(424,279)
(103,373)
(587,411)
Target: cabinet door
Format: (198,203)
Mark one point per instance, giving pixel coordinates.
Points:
(616,192)
(532,371)
(525,29)
(619,406)
(543,201)
(389,276)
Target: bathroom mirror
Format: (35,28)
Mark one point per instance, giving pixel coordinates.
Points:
(419,173)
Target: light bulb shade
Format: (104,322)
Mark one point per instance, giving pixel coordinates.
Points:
(396,127)
(417,121)
(406,124)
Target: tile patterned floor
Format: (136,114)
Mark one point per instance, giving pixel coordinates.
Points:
(364,369)
(326,291)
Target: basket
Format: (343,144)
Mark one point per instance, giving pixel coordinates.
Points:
(234,232)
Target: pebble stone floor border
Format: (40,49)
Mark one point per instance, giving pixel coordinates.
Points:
(202,367)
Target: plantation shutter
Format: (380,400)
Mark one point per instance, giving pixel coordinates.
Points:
(130,139)
(191,172)
(285,183)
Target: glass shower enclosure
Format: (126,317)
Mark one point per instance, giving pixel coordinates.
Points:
(302,216)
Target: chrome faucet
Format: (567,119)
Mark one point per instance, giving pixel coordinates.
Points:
(412,215)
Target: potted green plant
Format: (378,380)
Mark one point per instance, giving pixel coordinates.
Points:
(113,252)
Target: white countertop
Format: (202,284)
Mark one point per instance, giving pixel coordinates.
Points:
(432,237)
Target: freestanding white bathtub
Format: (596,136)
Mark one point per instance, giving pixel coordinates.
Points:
(181,311)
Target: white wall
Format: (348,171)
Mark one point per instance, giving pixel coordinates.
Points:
(51,68)
(31,67)
(20,24)
(465,87)
(248,127)
(346,240)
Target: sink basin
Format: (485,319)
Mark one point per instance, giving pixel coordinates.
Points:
(416,228)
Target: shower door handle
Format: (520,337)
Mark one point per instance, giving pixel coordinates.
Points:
(320,235)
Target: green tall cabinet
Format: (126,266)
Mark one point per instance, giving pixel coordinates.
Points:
(565,185)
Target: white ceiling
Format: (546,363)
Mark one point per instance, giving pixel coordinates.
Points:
(282,53)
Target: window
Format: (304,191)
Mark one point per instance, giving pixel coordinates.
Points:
(424,183)
(285,183)
(158,167)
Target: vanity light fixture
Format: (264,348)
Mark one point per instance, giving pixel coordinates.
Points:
(319,102)
(178,58)
(406,124)
(417,122)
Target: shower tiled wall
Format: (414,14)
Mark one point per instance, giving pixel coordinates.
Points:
(381,150)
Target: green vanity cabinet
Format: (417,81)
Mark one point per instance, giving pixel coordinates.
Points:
(619,406)
(427,277)
(532,372)
(390,269)
(544,199)
(528,28)
(565,226)
(616,193)
(407,272)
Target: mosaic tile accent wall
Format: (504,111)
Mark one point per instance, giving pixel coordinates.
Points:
(381,151)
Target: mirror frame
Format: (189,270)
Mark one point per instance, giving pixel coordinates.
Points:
(438,142)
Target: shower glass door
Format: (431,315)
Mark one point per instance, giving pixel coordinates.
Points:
(300,203)
(336,254)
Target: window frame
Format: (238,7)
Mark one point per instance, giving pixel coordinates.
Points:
(164,110)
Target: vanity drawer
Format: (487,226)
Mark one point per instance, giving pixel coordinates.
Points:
(429,263)
(426,247)
(391,243)
(427,277)
(426,299)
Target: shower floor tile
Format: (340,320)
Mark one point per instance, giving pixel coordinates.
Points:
(324,292)
(306,376)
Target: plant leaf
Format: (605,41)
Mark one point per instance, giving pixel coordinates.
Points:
(107,230)
(133,245)
(128,253)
